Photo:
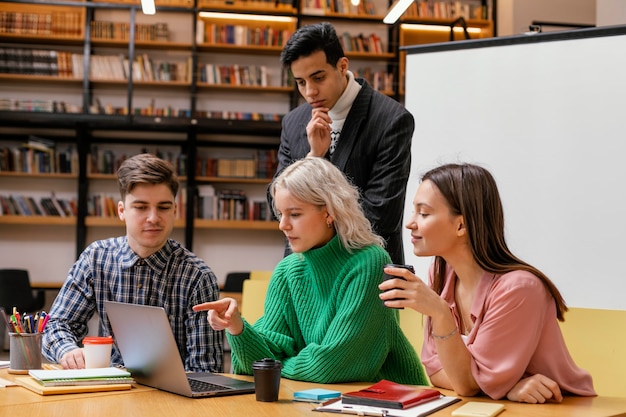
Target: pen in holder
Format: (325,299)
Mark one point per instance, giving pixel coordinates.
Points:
(24,352)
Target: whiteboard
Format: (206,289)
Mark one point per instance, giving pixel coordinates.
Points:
(546,114)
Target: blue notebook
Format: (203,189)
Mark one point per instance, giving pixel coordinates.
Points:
(316,395)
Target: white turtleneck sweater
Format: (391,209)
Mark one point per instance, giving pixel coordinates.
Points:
(340,110)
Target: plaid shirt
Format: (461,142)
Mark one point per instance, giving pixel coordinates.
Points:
(173,278)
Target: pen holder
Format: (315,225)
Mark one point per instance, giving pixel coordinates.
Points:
(24,352)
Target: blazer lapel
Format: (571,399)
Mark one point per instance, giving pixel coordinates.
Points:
(356,117)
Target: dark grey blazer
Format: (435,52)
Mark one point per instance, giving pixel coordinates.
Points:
(374,151)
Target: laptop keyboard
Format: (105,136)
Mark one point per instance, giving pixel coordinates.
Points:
(202,386)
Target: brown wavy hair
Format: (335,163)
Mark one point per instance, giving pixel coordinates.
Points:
(471,191)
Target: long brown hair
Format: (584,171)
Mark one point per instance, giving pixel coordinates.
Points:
(471,191)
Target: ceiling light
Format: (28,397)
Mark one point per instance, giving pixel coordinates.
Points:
(147,7)
(396,10)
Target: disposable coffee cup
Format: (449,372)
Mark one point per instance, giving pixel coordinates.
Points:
(97,351)
(267,379)
(386,276)
(24,352)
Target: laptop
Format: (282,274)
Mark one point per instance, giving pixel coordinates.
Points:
(146,343)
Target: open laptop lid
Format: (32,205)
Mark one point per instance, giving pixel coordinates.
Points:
(145,340)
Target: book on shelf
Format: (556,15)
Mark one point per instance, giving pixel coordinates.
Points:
(447,10)
(317,7)
(120,31)
(241,35)
(37,62)
(29,21)
(259,210)
(21,205)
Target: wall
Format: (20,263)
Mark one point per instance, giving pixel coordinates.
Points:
(514,16)
(610,12)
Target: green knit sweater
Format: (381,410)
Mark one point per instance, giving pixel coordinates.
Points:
(323,319)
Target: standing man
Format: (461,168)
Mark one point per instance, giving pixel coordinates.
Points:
(144,267)
(366,134)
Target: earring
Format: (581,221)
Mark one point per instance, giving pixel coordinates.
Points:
(329,224)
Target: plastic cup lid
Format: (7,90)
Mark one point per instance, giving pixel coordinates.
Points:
(98,340)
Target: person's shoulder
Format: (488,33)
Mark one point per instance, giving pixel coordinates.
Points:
(184,255)
(371,254)
(112,243)
(519,280)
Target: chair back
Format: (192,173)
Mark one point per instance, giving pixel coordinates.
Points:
(15,291)
(258,274)
(234,281)
(253,299)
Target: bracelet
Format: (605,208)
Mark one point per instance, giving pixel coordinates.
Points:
(449,335)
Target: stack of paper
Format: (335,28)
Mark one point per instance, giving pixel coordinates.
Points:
(67,381)
(74,377)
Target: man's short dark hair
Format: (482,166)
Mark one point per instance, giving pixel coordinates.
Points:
(146,169)
(312,38)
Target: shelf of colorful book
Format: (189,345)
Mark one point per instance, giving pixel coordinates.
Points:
(235,224)
(52,176)
(113,177)
(158,45)
(37,220)
(36,21)
(158,3)
(256,6)
(249,88)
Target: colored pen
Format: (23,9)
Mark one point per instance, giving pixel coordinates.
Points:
(26,325)
(18,320)
(45,321)
(16,327)
(42,316)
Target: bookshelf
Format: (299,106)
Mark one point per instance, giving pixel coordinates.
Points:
(433,21)
(200,79)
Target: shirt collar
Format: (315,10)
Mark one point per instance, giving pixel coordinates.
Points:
(157,261)
(342,106)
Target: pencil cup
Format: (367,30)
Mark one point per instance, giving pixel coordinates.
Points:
(267,379)
(24,352)
(97,351)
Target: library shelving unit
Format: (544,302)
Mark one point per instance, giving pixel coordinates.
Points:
(109,81)
(200,81)
(436,21)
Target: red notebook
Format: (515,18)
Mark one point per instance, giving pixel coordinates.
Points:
(389,394)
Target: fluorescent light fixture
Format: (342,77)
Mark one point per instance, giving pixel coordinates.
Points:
(355,2)
(397,9)
(254,17)
(438,28)
(147,7)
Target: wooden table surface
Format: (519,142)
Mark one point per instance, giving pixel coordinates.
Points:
(145,401)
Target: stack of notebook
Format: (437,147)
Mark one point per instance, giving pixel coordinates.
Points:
(60,381)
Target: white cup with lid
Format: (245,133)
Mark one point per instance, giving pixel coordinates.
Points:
(97,351)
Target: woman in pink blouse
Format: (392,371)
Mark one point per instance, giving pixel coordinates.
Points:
(492,319)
